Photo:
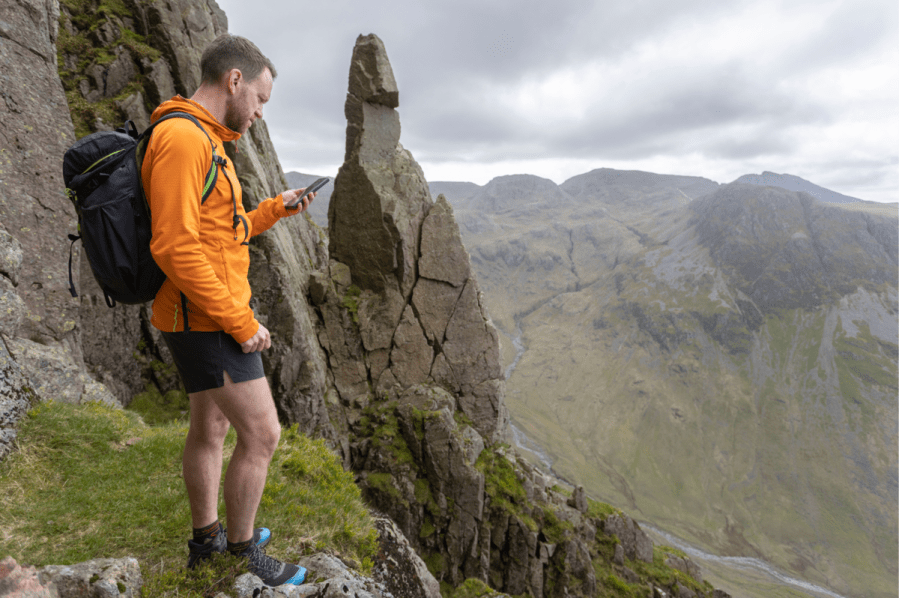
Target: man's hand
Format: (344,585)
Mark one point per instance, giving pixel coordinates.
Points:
(294,194)
(259,342)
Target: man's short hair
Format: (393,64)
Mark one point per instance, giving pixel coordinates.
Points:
(228,52)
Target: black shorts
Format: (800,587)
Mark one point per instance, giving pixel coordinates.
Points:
(202,358)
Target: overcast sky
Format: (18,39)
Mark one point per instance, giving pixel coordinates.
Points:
(557,88)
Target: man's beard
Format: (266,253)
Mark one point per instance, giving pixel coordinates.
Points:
(233,119)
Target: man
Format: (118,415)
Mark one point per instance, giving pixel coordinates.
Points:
(203,307)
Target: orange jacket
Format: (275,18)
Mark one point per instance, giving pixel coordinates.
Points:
(195,244)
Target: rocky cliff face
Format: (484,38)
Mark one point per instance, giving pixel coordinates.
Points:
(36,130)
(787,250)
(41,352)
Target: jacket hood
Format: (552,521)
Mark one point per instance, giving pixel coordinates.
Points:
(182,104)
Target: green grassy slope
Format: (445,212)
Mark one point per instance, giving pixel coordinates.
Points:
(92,482)
(692,443)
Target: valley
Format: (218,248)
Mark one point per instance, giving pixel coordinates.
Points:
(715,365)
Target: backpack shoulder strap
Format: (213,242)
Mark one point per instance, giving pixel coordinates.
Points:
(211,176)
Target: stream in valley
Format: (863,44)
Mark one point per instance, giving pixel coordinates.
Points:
(519,351)
(743,563)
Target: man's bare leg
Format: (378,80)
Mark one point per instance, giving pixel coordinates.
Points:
(251,410)
(202,461)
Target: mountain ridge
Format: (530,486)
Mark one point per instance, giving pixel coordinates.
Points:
(686,188)
(794,183)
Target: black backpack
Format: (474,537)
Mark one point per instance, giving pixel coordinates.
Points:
(102,176)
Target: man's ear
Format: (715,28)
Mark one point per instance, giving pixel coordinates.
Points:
(234,78)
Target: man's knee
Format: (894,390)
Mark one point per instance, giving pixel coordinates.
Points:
(219,427)
(270,437)
(262,438)
(211,429)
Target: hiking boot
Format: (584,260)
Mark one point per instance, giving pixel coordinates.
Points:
(271,571)
(199,551)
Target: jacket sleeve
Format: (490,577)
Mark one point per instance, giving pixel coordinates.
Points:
(181,156)
(267,214)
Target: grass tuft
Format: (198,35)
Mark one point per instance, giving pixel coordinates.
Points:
(156,408)
(473,588)
(351,302)
(600,510)
(502,485)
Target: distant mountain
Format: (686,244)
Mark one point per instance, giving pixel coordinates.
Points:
(454,192)
(612,185)
(519,192)
(786,250)
(794,183)
(609,183)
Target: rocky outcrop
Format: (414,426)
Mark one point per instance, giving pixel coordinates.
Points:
(415,365)
(100,578)
(398,567)
(685,565)
(634,541)
(578,499)
(106,578)
(17,581)
(55,375)
(412,312)
(328,577)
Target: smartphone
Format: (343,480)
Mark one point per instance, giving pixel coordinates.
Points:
(315,186)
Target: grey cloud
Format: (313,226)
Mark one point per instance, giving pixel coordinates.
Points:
(694,109)
(851,31)
(870,173)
